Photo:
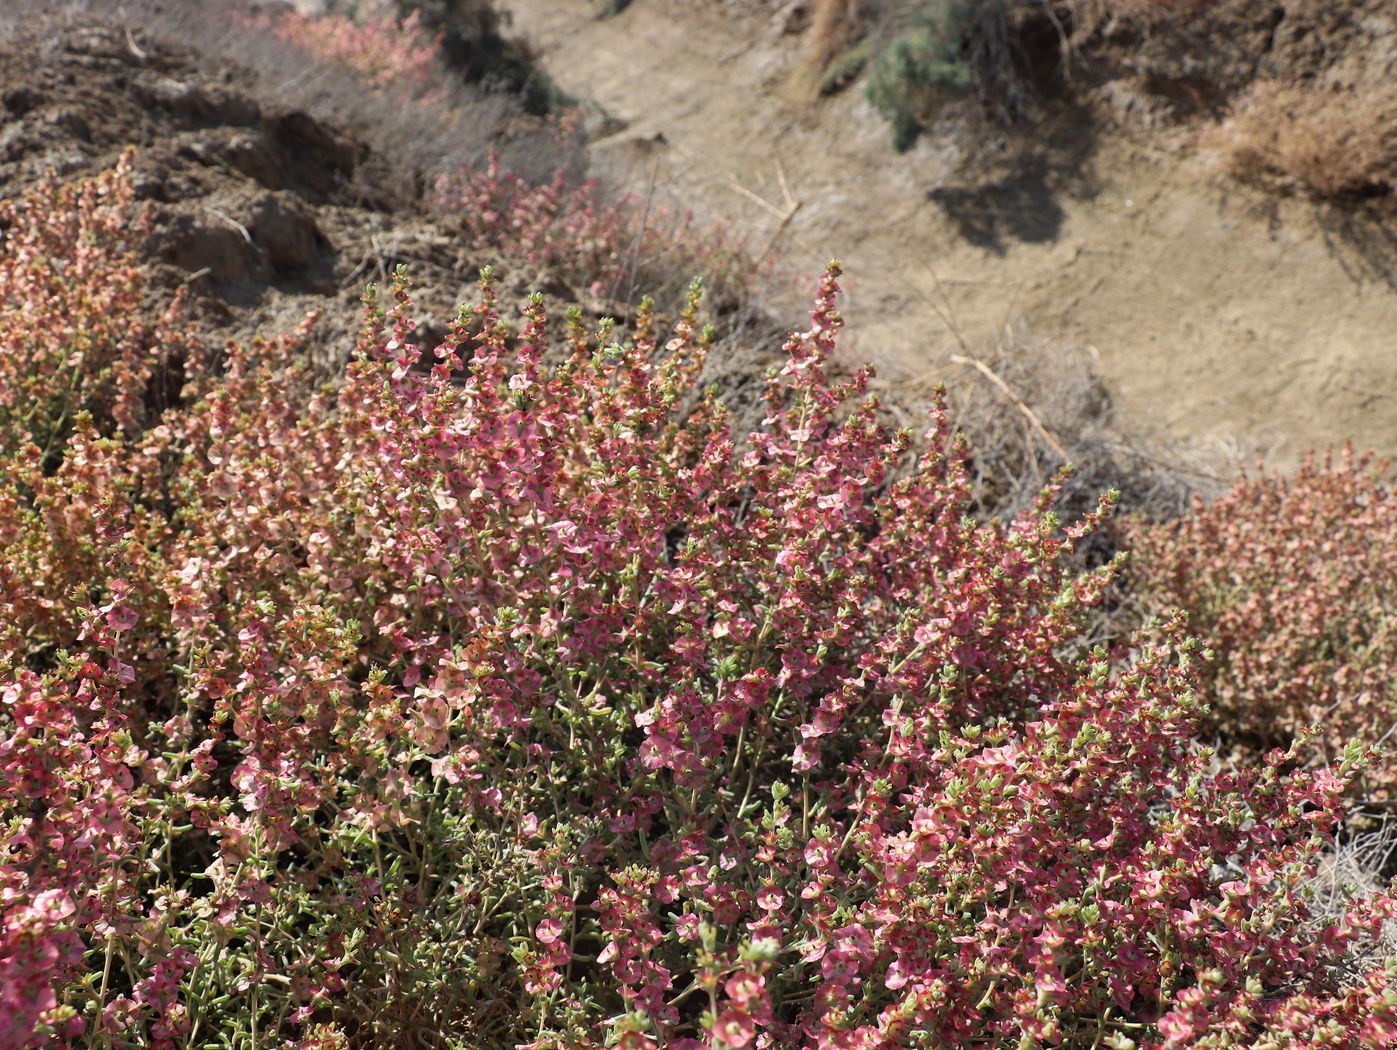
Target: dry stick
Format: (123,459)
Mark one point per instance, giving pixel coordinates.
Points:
(780,229)
(1029,414)
(785,190)
(378,258)
(418,260)
(792,206)
(754,198)
(374,253)
(131,45)
(230,221)
(1064,41)
(949,320)
(948,315)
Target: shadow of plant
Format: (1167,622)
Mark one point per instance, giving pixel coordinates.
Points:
(1024,202)
(1363,240)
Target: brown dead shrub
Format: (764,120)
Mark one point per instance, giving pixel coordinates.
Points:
(1029,405)
(1329,141)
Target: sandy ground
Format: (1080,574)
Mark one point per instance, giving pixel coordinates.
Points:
(1219,314)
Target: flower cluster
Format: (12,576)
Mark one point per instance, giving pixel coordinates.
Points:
(1292,582)
(502,696)
(76,339)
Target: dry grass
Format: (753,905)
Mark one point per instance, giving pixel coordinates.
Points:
(1329,141)
(1358,868)
(1046,408)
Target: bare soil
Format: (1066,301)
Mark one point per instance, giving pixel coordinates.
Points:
(270,193)
(1218,314)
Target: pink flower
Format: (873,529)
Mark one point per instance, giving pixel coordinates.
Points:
(734,1028)
(548,931)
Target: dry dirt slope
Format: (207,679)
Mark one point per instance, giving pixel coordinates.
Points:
(1217,312)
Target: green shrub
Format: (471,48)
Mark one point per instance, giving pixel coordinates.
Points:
(921,66)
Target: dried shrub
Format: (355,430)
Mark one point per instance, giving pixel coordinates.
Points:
(1328,141)
(479,701)
(1291,581)
(1361,862)
(1030,406)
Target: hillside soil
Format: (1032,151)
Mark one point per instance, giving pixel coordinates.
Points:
(1218,314)
(267,201)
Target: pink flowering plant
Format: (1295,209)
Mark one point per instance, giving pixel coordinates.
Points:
(602,246)
(74,335)
(501,695)
(387,52)
(1292,582)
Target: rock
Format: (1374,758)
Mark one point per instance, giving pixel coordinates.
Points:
(282,227)
(206,240)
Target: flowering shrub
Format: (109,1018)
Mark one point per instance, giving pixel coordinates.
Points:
(1290,581)
(604,246)
(387,52)
(479,702)
(74,335)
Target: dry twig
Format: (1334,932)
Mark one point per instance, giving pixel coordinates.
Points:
(1019,403)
